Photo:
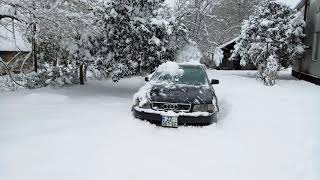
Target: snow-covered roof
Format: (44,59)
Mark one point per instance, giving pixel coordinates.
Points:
(227,43)
(7,10)
(10,41)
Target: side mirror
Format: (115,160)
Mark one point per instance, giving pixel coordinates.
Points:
(146,79)
(214,81)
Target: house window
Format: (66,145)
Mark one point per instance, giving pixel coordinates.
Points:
(316,46)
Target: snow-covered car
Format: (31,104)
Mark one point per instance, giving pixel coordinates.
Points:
(177,94)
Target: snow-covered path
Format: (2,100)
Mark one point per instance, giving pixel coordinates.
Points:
(88,133)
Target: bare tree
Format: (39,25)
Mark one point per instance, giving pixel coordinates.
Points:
(213,22)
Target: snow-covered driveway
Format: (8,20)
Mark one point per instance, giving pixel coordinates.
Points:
(88,133)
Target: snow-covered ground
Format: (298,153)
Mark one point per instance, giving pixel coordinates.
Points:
(88,133)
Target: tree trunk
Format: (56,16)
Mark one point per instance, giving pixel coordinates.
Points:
(85,73)
(81,74)
(34,42)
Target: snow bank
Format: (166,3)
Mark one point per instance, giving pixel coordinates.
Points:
(93,136)
(44,98)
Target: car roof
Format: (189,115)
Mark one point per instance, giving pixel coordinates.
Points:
(191,65)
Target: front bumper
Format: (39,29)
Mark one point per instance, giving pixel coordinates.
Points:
(183,119)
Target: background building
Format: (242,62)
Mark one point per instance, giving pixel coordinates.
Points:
(14,50)
(309,68)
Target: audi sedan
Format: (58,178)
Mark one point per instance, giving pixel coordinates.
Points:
(177,94)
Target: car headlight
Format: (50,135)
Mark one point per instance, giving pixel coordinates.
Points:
(136,102)
(204,108)
(145,105)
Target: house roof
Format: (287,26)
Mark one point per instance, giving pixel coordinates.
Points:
(228,43)
(10,41)
(7,10)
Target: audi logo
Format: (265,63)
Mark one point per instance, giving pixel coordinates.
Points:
(170,107)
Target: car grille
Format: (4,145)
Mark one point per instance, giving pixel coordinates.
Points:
(176,107)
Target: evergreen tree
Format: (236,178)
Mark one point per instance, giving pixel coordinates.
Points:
(135,37)
(271,39)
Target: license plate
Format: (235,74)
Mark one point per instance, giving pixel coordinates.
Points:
(169,121)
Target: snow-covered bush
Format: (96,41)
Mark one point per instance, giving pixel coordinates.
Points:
(272,37)
(218,56)
(31,81)
(6,84)
(34,80)
(61,75)
(48,75)
(61,31)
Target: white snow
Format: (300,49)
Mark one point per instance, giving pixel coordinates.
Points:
(7,10)
(171,3)
(88,133)
(218,56)
(291,3)
(155,40)
(114,13)
(171,68)
(143,95)
(159,21)
(189,53)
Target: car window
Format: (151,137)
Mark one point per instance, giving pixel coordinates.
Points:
(192,75)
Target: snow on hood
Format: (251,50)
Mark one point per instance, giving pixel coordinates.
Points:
(181,94)
(143,95)
(174,93)
(173,69)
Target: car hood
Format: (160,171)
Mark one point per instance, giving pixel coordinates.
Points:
(181,94)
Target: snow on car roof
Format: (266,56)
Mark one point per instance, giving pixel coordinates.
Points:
(171,68)
(190,63)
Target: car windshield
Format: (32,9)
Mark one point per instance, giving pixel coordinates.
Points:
(192,75)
